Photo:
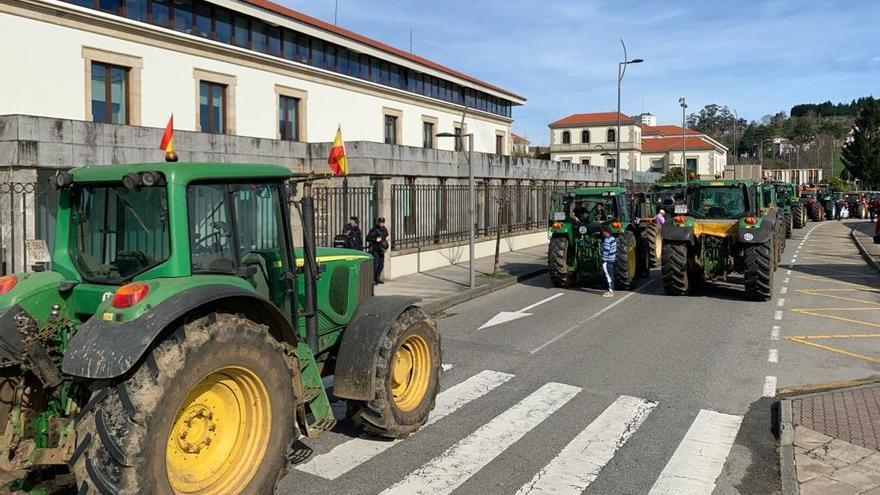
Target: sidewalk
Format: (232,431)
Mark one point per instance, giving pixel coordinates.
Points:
(444,287)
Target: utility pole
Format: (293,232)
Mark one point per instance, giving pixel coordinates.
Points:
(335,12)
(683,103)
(621,70)
(735,154)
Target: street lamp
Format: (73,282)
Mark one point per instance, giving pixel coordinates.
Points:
(621,70)
(683,103)
(606,153)
(735,154)
(471,201)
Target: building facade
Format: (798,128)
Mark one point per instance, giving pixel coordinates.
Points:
(590,139)
(236,67)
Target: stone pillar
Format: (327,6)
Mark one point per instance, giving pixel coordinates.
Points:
(382,194)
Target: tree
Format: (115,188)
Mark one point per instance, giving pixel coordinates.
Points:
(861,156)
(674,174)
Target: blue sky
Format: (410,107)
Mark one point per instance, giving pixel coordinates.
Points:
(756,57)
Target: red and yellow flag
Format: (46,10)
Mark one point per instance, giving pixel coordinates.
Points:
(337,161)
(167,143)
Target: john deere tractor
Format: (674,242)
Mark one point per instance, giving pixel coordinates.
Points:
(178,341)
(795,216)
(721,229)
(576,237)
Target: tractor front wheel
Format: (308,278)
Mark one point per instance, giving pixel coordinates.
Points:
(206,412)
(557,260)
(797,214)
(653,242)
(674,268)
(626,262)
(789,227)
(816,212)
(759,271)
(407,378)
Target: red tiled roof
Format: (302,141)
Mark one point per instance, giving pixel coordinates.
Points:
(666,130)
(666,144)
(317,23)
(593,118)
(517,138)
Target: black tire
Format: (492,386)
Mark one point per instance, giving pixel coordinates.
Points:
(653,243)
(382,416)
(123,430)
(816,212)
(759,271)
(789,225)
(862,213)
(674,268)
(623,279)
(557,261)
(797,214)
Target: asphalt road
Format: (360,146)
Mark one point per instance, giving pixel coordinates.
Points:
(640,393)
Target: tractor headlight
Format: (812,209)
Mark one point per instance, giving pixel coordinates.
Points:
(582,229)
(748,236)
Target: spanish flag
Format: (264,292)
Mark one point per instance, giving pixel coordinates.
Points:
(337,161)
(167,143)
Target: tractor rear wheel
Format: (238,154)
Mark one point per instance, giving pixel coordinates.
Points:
(407,378)
(653,243)
(816,212)
(674,268)
(759,271)
(206,412)
(557,260)
(626,262)
(789,227)
(797,214)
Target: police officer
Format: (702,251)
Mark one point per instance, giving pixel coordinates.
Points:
(377,244)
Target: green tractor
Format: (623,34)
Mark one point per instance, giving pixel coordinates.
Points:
(177,343)
(793,210)
(722,228)
(576,237)
(666,195)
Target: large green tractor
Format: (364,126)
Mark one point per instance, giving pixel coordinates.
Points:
(793,210)
(721,229)
(177,343)
(576,237)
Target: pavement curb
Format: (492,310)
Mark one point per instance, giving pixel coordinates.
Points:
(435,307)
(865,254)
(787,469)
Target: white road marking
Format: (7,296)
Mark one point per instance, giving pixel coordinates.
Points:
(777,315)
(579,463)
(451,469)
(793,261)
(349,455)
(594,315)
(783,290)
(786,280)
(769,386)
(781,301)
(447,366)
(788,272)
(774,356)
(699,458)
(507,316)
(774,332)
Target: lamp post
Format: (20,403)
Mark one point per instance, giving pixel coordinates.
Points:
(621,70)
(683,103)
(471,202)
(606,154)
(735,154)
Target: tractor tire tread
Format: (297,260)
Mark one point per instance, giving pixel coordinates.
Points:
(797,213)
(651,236)
(622,279)
(674,268)
(759,271)
(557,261)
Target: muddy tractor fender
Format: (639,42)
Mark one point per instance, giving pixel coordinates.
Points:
(356,361)
(104,349)
(759,234)
(676,233)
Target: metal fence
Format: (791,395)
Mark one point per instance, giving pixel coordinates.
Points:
(27,211)
(334,206)
(423,215)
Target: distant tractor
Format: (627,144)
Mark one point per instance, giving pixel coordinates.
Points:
(720,230)
(793,210)
(814,208)
(857,204)
(576,237)
(644,212)
(178,341)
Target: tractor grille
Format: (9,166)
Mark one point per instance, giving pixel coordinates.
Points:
(339,289)
(365,281)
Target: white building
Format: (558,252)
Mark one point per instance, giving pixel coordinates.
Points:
(648,119)
(241,67)
(589,138)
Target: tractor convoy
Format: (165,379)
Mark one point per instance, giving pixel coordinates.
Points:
(178,340)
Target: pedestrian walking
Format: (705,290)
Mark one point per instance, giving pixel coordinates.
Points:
(660,218)
(377,244)
(609,255)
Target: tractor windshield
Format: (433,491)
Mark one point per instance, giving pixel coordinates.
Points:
(118,232)
(591,209)
(718,202)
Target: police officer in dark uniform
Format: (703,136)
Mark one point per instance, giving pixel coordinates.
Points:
(377,244)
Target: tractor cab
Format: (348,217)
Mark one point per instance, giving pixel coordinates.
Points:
(668,194)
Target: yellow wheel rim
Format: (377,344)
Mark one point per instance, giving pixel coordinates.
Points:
(410,372)
(631,263)
(219,436)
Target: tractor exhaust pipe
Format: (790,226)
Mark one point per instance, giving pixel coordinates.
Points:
(310,268)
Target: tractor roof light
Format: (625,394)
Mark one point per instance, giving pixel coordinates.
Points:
(556,225)
(678,219)
(131,180)
(7,283)
(130,295)
(616,225)
(751,220)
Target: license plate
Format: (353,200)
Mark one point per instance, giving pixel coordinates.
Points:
(681,209)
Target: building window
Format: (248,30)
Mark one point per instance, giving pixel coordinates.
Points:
(585,136)
(612,135)
(183,16)
(565,161)
(109,93)
(691,164)
(585,161)
(610,163)
(288,113)
(566,137)
(427,135)
(657,165)
(160,12)
(459,138)
(499,144)
(390,129)
(136,9)
(212,107)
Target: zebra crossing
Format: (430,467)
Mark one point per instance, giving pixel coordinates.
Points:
(693,467)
